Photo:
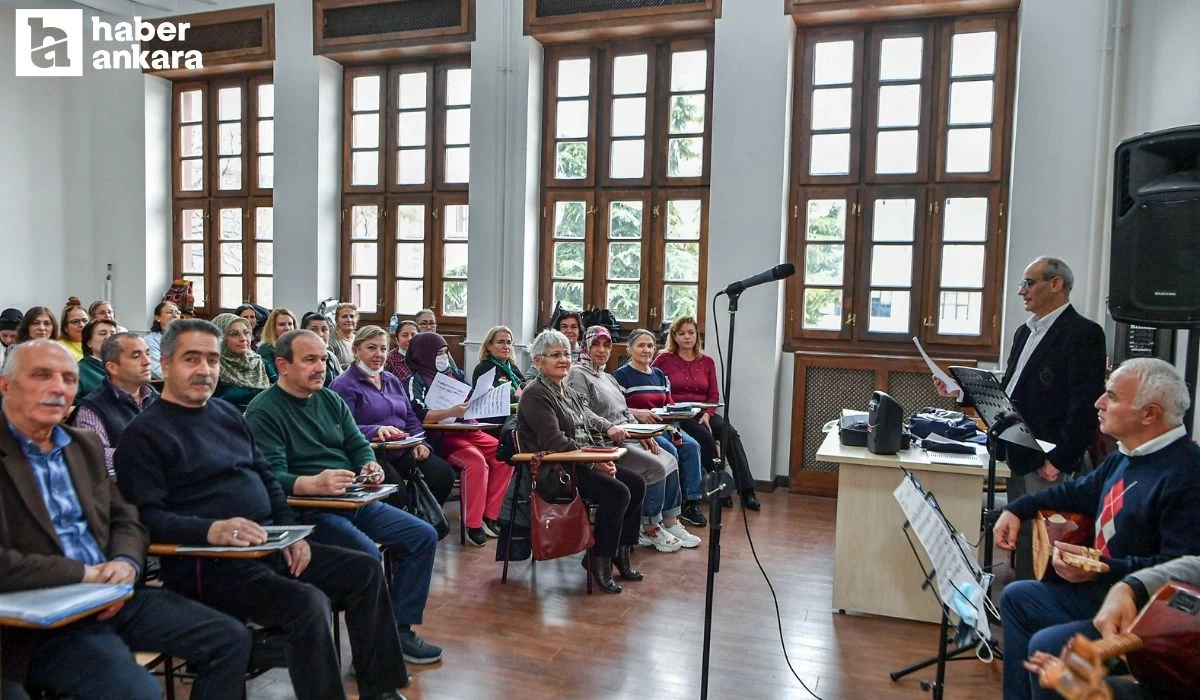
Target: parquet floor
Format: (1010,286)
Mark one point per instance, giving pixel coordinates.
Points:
(541,636)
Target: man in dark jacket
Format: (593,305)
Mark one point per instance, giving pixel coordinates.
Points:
(123,395)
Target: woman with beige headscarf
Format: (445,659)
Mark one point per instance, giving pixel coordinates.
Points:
(243,375)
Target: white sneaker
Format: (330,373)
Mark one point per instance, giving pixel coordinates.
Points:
(686,539)
(663,541)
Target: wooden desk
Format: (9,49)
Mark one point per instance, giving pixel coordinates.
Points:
(674,417)
(341,502)
(574,456)
(873,568)
(23,624)
(461,426)
(171,550)
(392,447)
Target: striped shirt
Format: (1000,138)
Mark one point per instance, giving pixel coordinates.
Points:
(644,390)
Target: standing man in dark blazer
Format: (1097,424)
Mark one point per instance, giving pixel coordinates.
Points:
(62,521)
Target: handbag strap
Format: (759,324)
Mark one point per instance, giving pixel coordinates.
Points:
(535,463)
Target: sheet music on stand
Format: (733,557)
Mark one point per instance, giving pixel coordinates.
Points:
(954,565)
(993,404)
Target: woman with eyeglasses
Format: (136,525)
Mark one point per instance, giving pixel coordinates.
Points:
(243,375)
(553,417)
(91,368)
(70,334)
(38,323)
(402,334)
(102,310)
(279,321)
(427,323)
(164,314)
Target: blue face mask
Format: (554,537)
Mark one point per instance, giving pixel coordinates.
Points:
(965,601)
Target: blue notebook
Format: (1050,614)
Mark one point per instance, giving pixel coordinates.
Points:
(44,607)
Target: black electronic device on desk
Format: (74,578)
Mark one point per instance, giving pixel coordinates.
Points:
(885,424)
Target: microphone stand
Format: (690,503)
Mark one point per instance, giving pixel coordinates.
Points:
(714,487)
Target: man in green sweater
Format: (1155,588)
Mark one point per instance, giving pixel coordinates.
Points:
(309,436)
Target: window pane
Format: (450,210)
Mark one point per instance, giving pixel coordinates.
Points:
(191,106)
(971,102)
(366,93)
(231,173)
(198,291)
(571,160)
(627,159)
(364,259)
(689,70)
(687,114)
(193,258)
(364,168)
(193,224)
(826,220)
(410,260)
(572,119)
(968,150)
(624,301)
(568,260)
(682,263)
(191,175)
(191,140)
(962,266)
(410,222)
(454,260)
(412,90)
(833,63)
(629,116)
(266,172)
(973,54)
(831,108)
(266,136)
(458,164)
(364,130)
(683,219)
(230,224)
(410,296)
(679,300)
(894,219)
(458,86)
(965,219)
(364,293)
(625,220)
(896,152)
(891,266)
(625,261)
(454,298)
(830,154)
(458,126)
(456,222)
(685,157)
(410,129)
(823,264)
(364,222)
(264,258)
(900,58)
(229,139)
(568,219)
(266,100)
(411,167)
(899,105)
(229,104)
(959,313)
(574,77)
(629,74)
(264,291)
(569,293)
(889,312)
(231,292)
(264,223)
(823,309)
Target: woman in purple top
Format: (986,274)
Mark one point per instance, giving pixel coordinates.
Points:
(382,411)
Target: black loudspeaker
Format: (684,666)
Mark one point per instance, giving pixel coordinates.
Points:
(1154,270)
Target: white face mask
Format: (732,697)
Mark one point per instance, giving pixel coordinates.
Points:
(362,366)
(442,363)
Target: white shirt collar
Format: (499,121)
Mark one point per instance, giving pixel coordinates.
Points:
(1040,325)
(1154,444)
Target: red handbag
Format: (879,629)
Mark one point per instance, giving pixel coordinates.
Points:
(557,529)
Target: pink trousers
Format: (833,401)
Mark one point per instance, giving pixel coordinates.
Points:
(484,478)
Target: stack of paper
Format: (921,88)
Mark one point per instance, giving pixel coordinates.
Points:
(45,606)
(643,429)
(486,401)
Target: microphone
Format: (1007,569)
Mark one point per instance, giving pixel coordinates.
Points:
(775,273)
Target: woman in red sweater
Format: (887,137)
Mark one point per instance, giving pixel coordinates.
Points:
(693,377)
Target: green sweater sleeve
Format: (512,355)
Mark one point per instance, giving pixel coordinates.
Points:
(270,437)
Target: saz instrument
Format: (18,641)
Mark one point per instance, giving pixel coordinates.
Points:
(1071,528)
(1161,647)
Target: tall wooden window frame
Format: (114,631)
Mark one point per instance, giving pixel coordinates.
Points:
(671,196)
(955,201)
(223,236)
(392,203)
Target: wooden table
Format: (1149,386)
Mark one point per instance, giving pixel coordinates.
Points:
(172,550)
(23,624)
(574,456)
(873,570)
(392,446)
(342,502)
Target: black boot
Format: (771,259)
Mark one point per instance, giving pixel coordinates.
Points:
(727,502)
(602,574)
(750,500)
(624,567)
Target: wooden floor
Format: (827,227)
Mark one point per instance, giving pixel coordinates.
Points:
(542,636)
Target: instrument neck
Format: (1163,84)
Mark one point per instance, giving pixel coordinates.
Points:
(1113,647)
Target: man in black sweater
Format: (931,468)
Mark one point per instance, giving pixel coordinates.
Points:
(1146,500)
(190,465)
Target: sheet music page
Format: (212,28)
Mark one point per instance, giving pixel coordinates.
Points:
(446,393)
(484,385)
(492,404)
(951,385)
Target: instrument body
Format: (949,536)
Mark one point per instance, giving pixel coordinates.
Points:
(1071,528)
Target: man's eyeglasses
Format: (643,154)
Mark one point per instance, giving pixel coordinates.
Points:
(1027,283)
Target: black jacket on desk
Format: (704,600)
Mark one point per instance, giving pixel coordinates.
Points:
(1057,390)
